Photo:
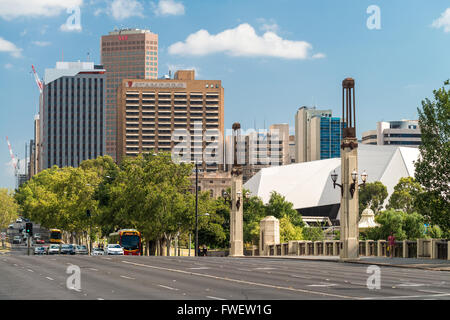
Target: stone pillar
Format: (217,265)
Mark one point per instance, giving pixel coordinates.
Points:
(236,217)
(269,232)
(349,203)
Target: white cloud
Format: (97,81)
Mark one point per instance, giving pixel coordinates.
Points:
(7,46)
(169,7)
(68,27)
(268,25)
(123,9)
(42,43)
(11,9)
(443,21)
(243,41)
(8,66)
(23,33)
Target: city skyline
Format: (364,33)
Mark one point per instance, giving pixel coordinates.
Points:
(263,86)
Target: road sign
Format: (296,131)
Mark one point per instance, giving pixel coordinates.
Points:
(3,235)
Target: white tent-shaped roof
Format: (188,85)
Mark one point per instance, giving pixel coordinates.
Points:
(309,184)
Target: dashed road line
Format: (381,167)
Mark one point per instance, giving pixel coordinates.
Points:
(166,287)
(49,278)
(215,298)
(129,278)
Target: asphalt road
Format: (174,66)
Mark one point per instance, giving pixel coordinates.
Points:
(209,278)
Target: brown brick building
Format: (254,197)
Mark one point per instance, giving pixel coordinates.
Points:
(149,111)
(125,53)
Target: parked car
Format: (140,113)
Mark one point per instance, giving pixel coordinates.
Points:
(53,249)
(81,249)
(97,252)
(67,249)
(17,240)
(40,250)
(114,249)
(11,226)
(19,220)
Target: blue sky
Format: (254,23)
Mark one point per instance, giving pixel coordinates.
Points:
(320,43)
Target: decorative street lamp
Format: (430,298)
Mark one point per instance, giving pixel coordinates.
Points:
(354,174)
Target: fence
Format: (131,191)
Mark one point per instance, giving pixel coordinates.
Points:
(422,248)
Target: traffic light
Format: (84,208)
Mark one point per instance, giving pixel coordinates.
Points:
(29,228)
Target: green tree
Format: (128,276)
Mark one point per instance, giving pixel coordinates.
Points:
(405,195)
(372,195)
(313,234)
(433,165)
(9,208)
(279,207)
(289,231)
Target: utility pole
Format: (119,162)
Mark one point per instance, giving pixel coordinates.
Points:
(196,208)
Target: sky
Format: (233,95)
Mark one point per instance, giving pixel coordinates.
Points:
(272,56)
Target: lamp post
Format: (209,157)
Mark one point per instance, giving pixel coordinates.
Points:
(352,188)
(196,209)
(88,214)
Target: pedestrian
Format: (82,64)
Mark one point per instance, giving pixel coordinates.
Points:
(391,242)
(205,250)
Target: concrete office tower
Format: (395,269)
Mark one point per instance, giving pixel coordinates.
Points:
(292,149)
(151,110)
(303,132)
(72,114)
(125,54)
(265,149)
(35,149)
(405,133)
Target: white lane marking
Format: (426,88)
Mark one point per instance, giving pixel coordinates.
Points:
(266,268)
(49,278)
(93,269)
(166,287)
(199,268)
(407,297)
(30,270)
(215,298)
(241,281)
(125,277)
(410,285)
(15,265)
(323,285)
(100,299)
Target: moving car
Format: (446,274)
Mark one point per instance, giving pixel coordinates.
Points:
(11,226)
(67,249)
(97,252)
(37,235)
(40,250)
(53,249)
(17,239)
(19,220)
(114,249)
(40,241)
(81,249)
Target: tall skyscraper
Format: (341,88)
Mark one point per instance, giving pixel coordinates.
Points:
(151,112)
(401,133)
(71,114)
(325,138)
(303,132)
(125,54)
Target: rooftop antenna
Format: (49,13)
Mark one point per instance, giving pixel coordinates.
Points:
(88,56)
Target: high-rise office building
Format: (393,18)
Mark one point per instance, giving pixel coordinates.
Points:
(258,150)
(152,111)
(325,138)
(401,133)
(125,54)
(72,114)
(311,134)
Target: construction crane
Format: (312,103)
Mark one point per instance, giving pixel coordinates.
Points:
(38,81)
(14,161)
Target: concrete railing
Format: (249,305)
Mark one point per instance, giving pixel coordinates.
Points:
(422,248)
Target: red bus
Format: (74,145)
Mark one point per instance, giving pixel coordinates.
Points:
(129,240)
